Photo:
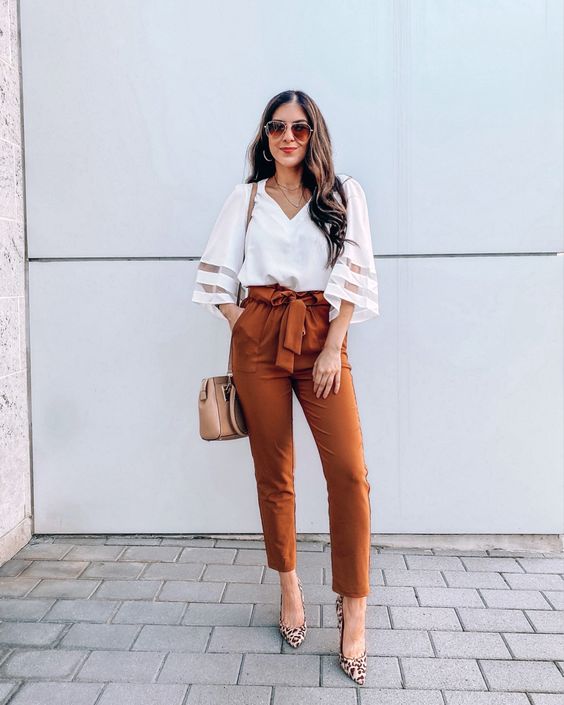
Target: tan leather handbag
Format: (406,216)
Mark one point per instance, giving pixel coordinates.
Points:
(221,416)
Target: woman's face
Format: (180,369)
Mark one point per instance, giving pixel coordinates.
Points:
(287,150)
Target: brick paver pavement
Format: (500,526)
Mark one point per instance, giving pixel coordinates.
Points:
(166,620)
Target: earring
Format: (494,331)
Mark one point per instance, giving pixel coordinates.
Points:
(265,157)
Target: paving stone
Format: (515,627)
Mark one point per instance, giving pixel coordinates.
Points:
(54,569)
(6,688)
(147,612)
(57,693)
(172,638)
(476,645)
(233,573)
(534,581)
(136,694)
(536,647)
(100,636)
(13,567)
(201,668)
(52,664)
(193,554)
(195,541)
(29,633)
(424,618)
(55,587)
(81,611)
(250,593)
(381,671)
(184,591)
(251,557)
(391,561)
(114,569)
(229,695)
(43,551)
(449,597)
(121,666)
(555,598)
(76,540)
(515,599)
(94,553)
(424,578)
(542,565)
(439,673)
(245,639)
(547,699)
(151,553)
(307,695)
(389,595)
(128,589)
(529,676)
(17,587)
(402,642)
(548,621)
(204,614)
(506,565)
(434,562)
(493,620)
(380,696)
(24,609)
(174,571)
(454,697)
(477,579)
(240,543)
(280,669)
(124,540)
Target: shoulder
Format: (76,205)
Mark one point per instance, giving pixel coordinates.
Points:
(351,186)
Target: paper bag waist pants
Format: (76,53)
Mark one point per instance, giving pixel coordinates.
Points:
(275,343)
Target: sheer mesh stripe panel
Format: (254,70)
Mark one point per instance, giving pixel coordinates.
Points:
(214,278)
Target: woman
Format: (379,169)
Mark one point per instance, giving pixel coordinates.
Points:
(308,266)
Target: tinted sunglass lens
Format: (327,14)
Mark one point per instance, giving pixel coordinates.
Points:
(301,131)
(276,129)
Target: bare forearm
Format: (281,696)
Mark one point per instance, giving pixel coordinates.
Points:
(339,326)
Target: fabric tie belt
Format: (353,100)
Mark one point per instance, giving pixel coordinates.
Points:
(292,323)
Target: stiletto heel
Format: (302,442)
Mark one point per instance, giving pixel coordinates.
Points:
(293,635)
(354,667)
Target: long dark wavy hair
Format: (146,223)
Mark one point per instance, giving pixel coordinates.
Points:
(325,209)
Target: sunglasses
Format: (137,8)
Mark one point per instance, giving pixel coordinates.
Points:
(277,128)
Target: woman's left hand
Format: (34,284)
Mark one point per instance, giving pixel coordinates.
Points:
(326,372)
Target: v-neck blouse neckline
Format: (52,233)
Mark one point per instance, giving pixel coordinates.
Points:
(263,190)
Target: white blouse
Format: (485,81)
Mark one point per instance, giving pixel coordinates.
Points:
(289,251)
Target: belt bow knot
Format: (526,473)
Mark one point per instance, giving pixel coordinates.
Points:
(292,325)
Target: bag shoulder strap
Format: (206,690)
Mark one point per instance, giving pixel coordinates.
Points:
(249,214)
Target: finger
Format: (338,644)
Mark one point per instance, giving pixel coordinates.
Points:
(337,381)
(328,386)
(322,385)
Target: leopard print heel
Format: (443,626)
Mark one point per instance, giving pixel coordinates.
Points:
(355,667)
(293,635)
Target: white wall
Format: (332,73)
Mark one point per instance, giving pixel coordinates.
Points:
(137,116)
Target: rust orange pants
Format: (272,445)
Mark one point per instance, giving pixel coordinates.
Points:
(275,343)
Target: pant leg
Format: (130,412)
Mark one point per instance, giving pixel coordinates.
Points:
(336,427)
(266,401)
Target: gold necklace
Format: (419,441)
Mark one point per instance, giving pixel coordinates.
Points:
(286,197)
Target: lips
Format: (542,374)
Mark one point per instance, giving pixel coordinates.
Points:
(288,150)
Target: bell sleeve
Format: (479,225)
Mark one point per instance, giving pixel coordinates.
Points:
(353,276)
(217,279)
